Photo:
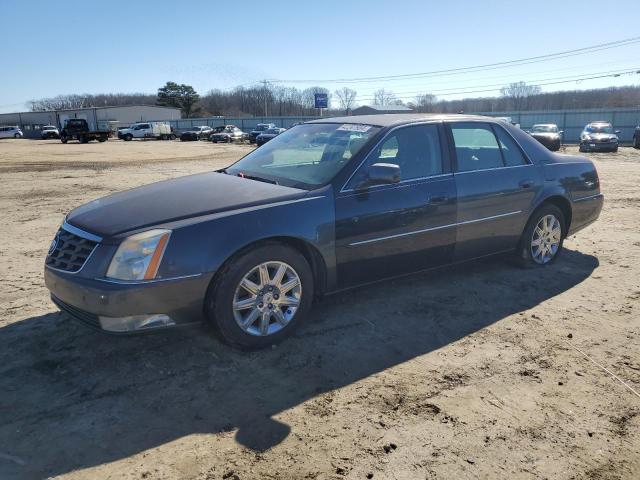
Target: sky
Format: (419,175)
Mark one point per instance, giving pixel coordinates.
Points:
(137,46)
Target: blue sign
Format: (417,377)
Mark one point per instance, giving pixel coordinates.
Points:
(322,100)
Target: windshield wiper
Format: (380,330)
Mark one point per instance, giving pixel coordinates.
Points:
(259,179)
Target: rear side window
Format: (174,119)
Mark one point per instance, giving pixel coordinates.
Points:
(510,151)
(415,149)
(476,146)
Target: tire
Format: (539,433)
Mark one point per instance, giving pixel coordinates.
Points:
(63,138)
(614,150)
(526,247)
(226,288)
(128,137)
(172,137)
(17,135)
(229,140)
(582,148)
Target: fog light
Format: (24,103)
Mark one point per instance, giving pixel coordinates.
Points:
(135,322)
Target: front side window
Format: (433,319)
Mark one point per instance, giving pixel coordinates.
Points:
(476,146)
(415,149)
(306,156)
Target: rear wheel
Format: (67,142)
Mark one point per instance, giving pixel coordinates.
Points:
(542,239)
(17,135)
(102,139)
(261,296)
(172,137)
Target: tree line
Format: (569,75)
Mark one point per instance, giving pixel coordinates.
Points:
(277,100)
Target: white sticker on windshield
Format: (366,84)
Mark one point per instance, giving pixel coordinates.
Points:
(350,127)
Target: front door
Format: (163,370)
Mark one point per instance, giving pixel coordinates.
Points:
(496,185)
(388,230)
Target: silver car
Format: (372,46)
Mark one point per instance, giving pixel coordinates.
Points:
(11,132)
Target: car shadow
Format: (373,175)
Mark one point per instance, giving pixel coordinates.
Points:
(73,398)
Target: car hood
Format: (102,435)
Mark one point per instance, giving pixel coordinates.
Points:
(545,134)
(602,136)
(174,200)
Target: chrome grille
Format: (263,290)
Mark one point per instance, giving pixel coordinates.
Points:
(69,252)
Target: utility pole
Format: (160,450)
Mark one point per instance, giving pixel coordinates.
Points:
(265,97)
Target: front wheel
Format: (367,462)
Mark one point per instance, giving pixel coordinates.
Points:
(542,239)
(261,296)
(128,137)
(63,138)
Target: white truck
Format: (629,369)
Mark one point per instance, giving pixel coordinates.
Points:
(157,130)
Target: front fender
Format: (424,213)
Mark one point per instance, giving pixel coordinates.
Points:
(204,244)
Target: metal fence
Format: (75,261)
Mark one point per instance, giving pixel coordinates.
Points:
(571,122)
(244,123)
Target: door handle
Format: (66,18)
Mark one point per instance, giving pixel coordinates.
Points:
(438,199)
(526,184)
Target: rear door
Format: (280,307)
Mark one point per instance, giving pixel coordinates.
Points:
(496,185)
(388,230)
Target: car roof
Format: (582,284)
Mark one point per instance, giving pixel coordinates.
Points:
(392,119)
(545,125)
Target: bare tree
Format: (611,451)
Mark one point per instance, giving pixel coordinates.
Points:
(518,94)
(347,98)
(384,97)
(424,103)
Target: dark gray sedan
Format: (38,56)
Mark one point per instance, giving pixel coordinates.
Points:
(548,135)
(325,206)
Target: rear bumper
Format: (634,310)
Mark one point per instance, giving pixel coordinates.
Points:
(100,303)
(585,211)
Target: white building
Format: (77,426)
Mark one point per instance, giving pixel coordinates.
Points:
(97,117)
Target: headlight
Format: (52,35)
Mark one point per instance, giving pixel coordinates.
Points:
(138,256)
(586,137)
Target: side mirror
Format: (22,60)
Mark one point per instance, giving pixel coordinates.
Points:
(561,132)
(382,174)
(617,132)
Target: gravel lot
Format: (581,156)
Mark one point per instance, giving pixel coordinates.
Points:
(478,371)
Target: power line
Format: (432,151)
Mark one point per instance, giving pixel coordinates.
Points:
(568,78)
(475,68)
(483,90)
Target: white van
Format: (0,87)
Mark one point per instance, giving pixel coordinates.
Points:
(11,132)
(157,130)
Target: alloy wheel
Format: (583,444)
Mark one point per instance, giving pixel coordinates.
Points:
(546,239)
(267,298)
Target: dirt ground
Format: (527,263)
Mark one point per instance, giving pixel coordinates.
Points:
(478,371)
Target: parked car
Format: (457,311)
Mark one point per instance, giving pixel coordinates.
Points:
(636,137)
(196,133)
(599,137)
(548,135)
(157,130)
(261,127)
(49,131)
(78,128)
(228,134)
(267,135)
(249,247)
(11,132)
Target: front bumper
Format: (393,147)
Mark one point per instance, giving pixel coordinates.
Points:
(109,305)
(599,146)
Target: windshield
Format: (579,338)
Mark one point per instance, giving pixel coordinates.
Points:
(274,131)
(599,129)
(307,155)
(545,129)
(261,128)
